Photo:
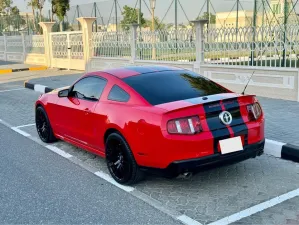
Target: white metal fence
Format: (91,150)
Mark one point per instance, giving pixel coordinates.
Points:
(166,45)
(35,44)
(67,50)
(2,44)
(14,44)
(111,44)
(275,46)
(59,43)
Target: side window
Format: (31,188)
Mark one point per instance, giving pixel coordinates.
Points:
(89,88)
(118,94)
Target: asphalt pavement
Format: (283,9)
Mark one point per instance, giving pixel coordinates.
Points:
(39,187)
(42,187)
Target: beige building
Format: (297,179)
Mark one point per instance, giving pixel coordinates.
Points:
(229,19)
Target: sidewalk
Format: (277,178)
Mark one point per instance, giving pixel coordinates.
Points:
(282,122)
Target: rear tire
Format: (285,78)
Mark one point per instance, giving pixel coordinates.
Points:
(43,126)
(121,162)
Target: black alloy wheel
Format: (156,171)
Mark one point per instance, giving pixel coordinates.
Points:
(43,126)
(120,160)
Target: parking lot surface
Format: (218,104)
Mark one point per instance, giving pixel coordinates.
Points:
(208,196)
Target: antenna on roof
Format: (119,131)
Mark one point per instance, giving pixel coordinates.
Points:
(248,83)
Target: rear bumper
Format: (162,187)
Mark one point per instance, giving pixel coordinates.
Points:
(192,165)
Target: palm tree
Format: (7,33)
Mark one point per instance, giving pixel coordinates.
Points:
(34,5)
(40,6)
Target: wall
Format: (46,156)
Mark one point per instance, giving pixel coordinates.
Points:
(279,83)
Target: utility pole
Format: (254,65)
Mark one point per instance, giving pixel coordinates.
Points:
(95,15)
(78,15)
(116,25)
(176,23)
(254,32)
(139,15)
(28,24)
(237,20)
(116,21)
(208,11)
(285,22)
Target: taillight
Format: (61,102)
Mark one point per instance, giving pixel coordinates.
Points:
(190,125)
(254,111)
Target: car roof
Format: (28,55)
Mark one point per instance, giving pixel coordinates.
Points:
(130,71)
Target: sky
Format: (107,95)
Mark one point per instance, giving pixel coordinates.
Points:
(191,8)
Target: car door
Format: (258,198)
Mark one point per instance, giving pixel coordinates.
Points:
(77,110)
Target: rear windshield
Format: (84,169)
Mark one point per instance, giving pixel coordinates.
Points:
(163,87)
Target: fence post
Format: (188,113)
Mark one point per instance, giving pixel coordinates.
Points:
(23,34)
(47,28)
(199,42)
(133,41)
(5,34)
(86,27)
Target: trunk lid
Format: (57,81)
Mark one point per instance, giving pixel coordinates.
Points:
(209,109)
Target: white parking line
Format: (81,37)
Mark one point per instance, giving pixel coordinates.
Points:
(28,125)
(59,151)
(187,220)
(20,132)
(257,208)
(108,178)
(17,89)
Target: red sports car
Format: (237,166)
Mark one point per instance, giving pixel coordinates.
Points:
(153,118)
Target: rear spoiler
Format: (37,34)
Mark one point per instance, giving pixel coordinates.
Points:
(189,103)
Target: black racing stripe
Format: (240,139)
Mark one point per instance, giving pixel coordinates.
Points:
(218,130)
(238,125)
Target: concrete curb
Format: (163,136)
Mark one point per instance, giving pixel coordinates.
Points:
(274,148)
(37,87)
(35,68)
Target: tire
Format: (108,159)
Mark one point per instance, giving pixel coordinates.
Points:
(43,126)
(121,162)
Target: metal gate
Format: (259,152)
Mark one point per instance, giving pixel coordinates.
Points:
(67,50)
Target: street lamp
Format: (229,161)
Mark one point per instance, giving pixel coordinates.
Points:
(153,7)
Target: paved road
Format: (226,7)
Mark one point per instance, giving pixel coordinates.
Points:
(40,187)
(209,196)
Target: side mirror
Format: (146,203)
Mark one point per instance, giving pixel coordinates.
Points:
(63,93)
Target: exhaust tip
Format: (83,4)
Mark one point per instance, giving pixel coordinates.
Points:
(186,175)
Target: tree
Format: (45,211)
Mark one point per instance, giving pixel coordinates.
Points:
(158,24)
(33,4)
(11,15)
(206,16)
(40,6)
(59,8)
(4,4)
(130,16)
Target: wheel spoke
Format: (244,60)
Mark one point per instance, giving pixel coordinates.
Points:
(116,160)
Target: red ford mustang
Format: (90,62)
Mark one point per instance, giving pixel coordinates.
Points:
(153,118)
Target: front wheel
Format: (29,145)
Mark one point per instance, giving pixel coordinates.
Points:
(43,126)
(120,161)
